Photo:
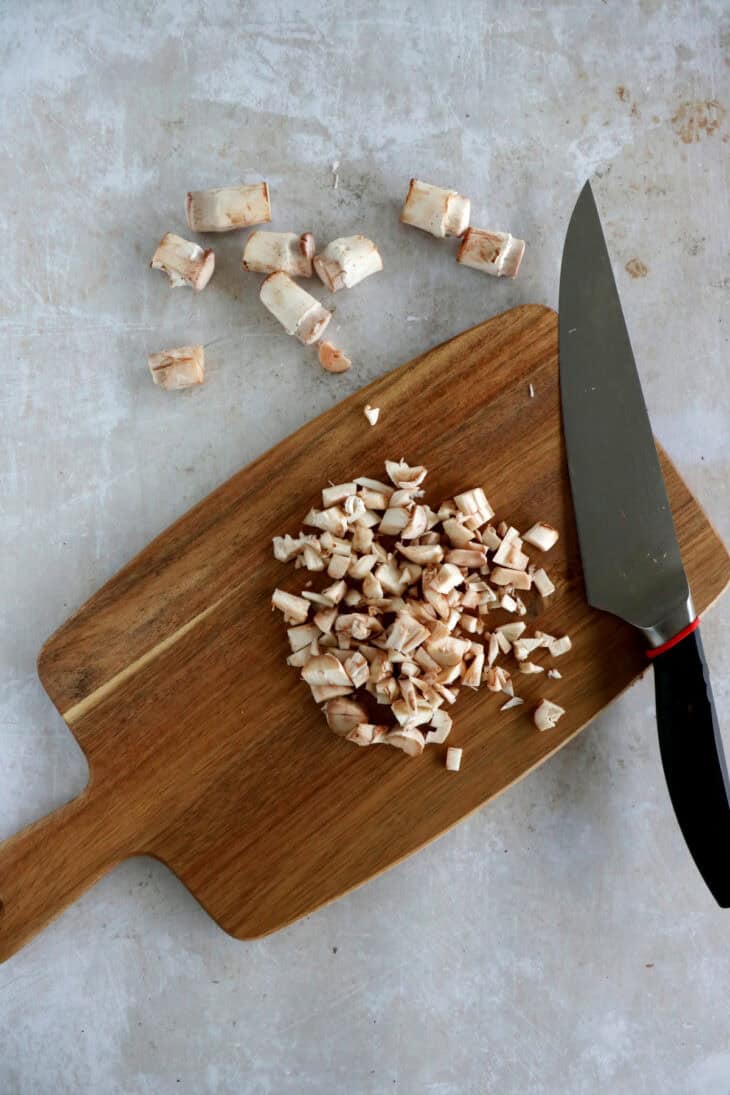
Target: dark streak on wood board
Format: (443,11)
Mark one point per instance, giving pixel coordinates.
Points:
(207,752)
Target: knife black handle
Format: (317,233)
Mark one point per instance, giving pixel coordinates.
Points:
(694,760)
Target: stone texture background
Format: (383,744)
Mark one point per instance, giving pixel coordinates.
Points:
(560,941)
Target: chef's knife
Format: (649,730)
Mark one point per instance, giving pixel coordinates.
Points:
(631,560)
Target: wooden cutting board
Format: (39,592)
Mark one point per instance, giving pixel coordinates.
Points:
(206,751)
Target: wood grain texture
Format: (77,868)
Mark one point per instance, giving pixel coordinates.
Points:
(207,752)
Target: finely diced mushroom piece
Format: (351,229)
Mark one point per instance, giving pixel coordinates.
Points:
(361,566)
(474,503)
(325,669)
(372,589)
(323,692)
(373,499)
(331,359)
(510,555)
(511,632)
(367,734)
(333,519)
(325,619)
(369,519)
(509,604)
(514,701)
(311,558)
(441,724)
(416,524)
(541,536)
(406,633)
(335,592)
(185,263)
(362,538)
(473,676)
(394,520)
(468,623)
(228,207)
(358,669)
(521,607)
(316,598)
(287,547)
(546,715)
(447,652)
(176,369)
(423,554)
(490,538)
(522,648)
(560,646)
(530,667)
(447,578)
(543,585)
(453,759)
(295,609)
(337,492)
(371,413)
(300,657)
(354,508)
(347,261)
(302,635)
(496,253)
(435,210)
(408,738)
(298,312)
(405,497)
(343,715)
(374,484)
(502,641)
(463,557)
(337,566)
(492,650)
(403,476)
(458,534)
(517,579)
(497,679)
(266,252)
(555,674)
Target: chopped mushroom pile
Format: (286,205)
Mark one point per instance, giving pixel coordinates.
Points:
(400,623)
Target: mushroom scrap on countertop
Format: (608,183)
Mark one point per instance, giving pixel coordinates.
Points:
(184,262)
(401,621)
(227,208)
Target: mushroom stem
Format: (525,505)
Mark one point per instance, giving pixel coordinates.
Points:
(228,207)
(180,368)
(495,253)
(266,252)
(298,312)
(185,263)
(435,210)
(347,261)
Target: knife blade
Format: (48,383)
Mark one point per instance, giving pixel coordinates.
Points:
(631,559)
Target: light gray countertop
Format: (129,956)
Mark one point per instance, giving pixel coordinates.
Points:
(560,941)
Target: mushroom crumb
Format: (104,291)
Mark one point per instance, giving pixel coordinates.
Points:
(332,359)
(298,312)
(267,252)
(347,261)
(401,619)
(546,715)
(371,413)
(453,759)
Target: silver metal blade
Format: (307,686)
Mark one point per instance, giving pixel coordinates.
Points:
(631,559)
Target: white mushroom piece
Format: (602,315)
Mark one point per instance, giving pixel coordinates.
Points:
(331,359)
(185,263)
(347,261)
(435,210)
(298,312)
(546,715)
(266,252)
(228,208)
(180,368)
(453,759)
(371,413)
(541,536)
(495,253)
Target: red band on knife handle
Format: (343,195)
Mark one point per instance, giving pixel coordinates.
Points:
(657,650)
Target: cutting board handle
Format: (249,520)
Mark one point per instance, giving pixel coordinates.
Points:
(48,865)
